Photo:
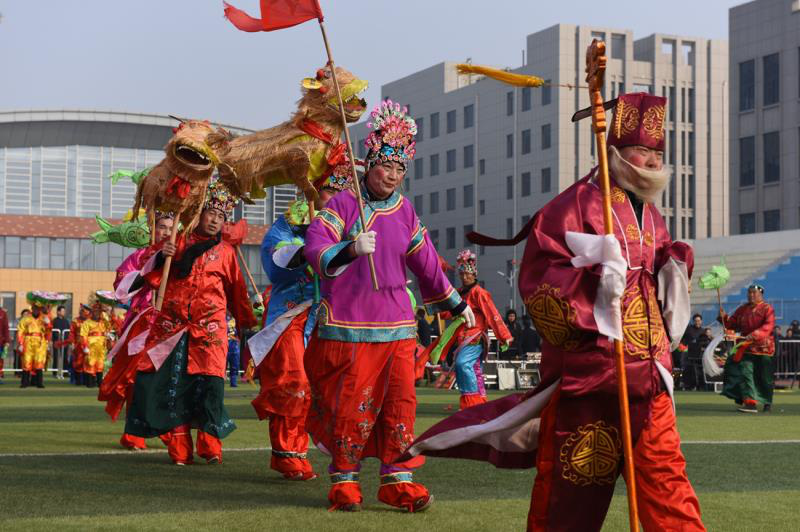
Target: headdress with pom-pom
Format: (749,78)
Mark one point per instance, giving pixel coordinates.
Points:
(392,136)
(220,198)
(467,261)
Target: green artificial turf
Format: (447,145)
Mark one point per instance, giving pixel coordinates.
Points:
(741,487)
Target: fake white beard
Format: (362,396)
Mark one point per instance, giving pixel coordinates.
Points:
(647,185)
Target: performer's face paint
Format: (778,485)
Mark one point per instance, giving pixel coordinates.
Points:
(643,157)
(163,229)
(211,222)
(467,278)
(384,178)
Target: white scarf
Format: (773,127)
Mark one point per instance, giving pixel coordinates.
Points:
(647,185)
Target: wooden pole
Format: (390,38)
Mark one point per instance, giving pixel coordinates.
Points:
(595,70)
(356,185)
(249,275)
(162,287)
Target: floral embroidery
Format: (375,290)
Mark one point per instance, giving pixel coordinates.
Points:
(402,437)
(351,451)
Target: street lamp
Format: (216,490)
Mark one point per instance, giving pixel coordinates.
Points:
(510,281)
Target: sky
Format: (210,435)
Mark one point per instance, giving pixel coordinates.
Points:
(182,57)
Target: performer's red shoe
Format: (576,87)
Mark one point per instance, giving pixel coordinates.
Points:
(292,468)
(410,496)
(132,443)
(471,399)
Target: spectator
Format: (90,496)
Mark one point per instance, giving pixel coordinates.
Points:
(516,332)
(5,339)
(530,342)
(692,358)
(790,334)
(60,333)
(423,328)
(778,333)
(795,328)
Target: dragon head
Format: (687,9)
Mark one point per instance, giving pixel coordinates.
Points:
(320,101)
(193,152)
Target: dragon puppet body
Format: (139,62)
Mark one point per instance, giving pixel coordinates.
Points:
(299,151)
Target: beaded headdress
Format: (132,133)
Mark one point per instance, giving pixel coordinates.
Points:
(467,261)
(392,138)
(220,198)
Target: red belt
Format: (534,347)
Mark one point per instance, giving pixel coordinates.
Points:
(39,335)
(96,334)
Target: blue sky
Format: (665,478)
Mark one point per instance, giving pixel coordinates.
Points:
(182,57)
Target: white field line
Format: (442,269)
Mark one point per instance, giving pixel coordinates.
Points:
(251,449)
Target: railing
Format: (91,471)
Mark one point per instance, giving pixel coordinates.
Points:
(787,363)
(57,357)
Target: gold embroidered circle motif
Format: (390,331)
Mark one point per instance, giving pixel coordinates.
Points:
(553,317)
(591,454)
(653,122)
(617,195)
(626,119)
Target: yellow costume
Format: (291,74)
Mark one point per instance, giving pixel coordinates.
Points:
(95,346)
(32,336)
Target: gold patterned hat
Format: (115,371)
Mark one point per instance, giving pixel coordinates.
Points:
(638,121)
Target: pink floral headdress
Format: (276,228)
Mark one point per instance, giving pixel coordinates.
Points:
(392,138)
(220,198)
(467,261)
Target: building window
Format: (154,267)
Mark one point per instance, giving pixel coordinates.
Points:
(418,204)
(420,129)
(451,161)
(469,196)
(747,161)
(509,187)
(450,237)
(546,185)
(509,103)
(434,234)
(668,48)
(469,156)
(747,223)
(509,227)
(434,165)
(546,92)
(691,106)
(772,82)
(747,85)
(467,230)
(469,116)
(526,141)
(772,157)
(509,145)
(481,207)
(671,147)
(546,136)
(772,220)
(407,184)
(13,249)
(434,204)
(362,149)
(434,125)
(482,166)
(688,53)
(671,105)
(451,199)
(526,98)
(451,121)
(419,168)
(526,183)
(692,192)
(526,219)
(683,147)
(617,46)
(691,148)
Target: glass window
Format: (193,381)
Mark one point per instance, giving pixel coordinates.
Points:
(772,84)
(509,145)
(526,141)
(101,257)
(509,227)
(671,147)
(545,136)
(617,46)
(434,125)
(772,157)
(469,116)
(691,148)
(87,255)
(482,166)
(692,191)
(407,184)
(451,199)
(467,230)
(419,168)
(418,204)
(509,187)
(72,255)
(451,121)
(434,165)
(546,185)
(509,103)
(450,236)
(546,92)
(526,98)
(42,253)
(420,129)
(469,196)
(434,234)
(27,252)
(2,252)
(469,156)
(451,161)
(434,203)
(747,85)
(671,105)
(747,223)
(747,161)
(481,207)
(13,246)
(526,183)
(691,105)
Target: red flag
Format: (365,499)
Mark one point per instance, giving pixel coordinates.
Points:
(275,15)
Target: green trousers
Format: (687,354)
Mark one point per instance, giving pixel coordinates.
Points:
(750,378)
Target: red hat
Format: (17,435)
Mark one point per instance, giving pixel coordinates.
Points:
(638,121)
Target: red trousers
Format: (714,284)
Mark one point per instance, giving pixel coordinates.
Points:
(180,445)
(364,405)
(577,465)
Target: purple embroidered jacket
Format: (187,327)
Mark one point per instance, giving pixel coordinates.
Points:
(351,310)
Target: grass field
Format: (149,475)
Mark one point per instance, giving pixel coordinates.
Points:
(61,468)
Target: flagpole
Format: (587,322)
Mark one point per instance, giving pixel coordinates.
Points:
(356,185)
(595,70)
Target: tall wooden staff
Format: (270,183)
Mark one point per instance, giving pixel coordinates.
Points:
(595,73)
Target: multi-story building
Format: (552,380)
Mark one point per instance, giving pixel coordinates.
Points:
(489,155)
(54,168)
(764,111)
